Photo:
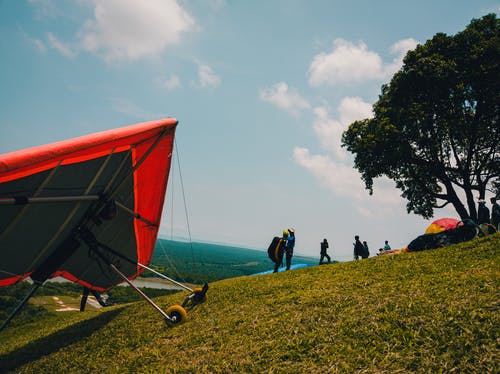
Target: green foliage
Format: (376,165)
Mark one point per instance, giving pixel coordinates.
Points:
(9,299)
(426,312)
(435,126)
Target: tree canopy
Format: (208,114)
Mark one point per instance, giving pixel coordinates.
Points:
(435,127)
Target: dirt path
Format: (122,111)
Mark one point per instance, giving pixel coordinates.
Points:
(62,306)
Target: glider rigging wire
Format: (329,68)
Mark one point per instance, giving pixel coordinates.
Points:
(172,199)
(184,199)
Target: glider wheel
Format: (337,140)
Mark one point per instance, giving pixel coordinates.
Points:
(200,296)
(177,314)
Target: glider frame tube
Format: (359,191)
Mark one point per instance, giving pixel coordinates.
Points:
(165,277)
(144,296)
(22,200)
(20,305)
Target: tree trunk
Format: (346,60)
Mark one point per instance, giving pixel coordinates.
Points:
(471,203)
(454,199)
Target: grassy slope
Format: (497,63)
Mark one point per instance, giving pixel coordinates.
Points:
(420,312)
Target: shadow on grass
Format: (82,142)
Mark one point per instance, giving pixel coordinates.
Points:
(52,343)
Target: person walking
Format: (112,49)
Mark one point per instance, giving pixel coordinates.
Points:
(290,244)
(323,254)
(495,213)
(359,250)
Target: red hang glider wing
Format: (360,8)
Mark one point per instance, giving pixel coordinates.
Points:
(112,184)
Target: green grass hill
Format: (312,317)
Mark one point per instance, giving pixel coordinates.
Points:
(428,312)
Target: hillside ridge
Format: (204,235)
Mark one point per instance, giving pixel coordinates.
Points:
(430,311)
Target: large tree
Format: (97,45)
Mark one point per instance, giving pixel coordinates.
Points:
(435,128)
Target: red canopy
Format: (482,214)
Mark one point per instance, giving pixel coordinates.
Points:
(53,192)
(442,224)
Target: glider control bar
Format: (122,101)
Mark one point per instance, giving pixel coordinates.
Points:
(145,297)
(22,200)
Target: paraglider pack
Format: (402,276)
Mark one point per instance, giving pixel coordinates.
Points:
(463,231)
(276,248)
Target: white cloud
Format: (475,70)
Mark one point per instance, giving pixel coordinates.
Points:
(351,63)
(334,169)
(329,131)
(207,77)
(353,109)
(340,178)
(63,48)
(172,82)
(288,99)
(39,45)
(347,62)
(130,29)
(344,180)
(403,46)
(399,49)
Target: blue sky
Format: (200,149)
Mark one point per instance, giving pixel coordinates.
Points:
(262,91)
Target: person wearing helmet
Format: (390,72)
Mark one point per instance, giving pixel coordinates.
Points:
(281,250)
(290,244)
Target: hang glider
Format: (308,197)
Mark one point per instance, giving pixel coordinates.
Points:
(87,209)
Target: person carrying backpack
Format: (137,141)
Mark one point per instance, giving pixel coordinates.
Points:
(359,250)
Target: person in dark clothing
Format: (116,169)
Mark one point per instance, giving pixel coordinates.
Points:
(359,250)
(323,254)
(483,213)
(366,252)
(290,244)
(281,250)
(495,213)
